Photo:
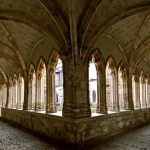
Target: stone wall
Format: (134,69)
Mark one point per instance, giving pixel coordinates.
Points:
(77,130)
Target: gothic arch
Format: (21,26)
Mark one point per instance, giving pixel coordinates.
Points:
(41,86)
(142,89)
(31,87)
(99,81)
(111,84)
(20,91)
(10,98)
(15,90)
(53,92)
(122,86)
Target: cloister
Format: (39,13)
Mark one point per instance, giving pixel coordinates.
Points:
(75,70)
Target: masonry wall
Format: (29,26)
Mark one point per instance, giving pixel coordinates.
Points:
(79,130)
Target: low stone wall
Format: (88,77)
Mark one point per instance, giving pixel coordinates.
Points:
(80,130)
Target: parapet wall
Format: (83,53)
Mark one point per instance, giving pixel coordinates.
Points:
(79,130)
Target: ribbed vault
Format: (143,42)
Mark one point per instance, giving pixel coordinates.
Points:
(72,28)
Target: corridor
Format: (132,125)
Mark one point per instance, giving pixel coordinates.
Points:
(13,138)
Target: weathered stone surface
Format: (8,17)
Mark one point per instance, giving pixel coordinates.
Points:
(77,130)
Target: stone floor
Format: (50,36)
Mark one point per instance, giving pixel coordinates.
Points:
(13,138)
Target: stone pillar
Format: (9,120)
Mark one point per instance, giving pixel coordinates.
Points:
(137,93)
(7,96)
(19,95)
(114,96)
(50,104)
(101,91)
(125,93)
(14,95)
(38,99)
(76,92)
(129,87)
(143,92)
(116,93)
(1,96)
(25,101)
(148,93)
(10,96)
(30,92)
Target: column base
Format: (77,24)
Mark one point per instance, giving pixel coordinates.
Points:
(73,112)
(101,109)
(51,109)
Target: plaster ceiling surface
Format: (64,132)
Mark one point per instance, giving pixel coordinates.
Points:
(126,31)
(25,22)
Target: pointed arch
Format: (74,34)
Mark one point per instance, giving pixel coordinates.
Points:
(14,92)
(55,96)
(41,86)
(111,84)
(122,87)
(10,98)
(97,81)
(20,91)
(31,87)
(142,89)
(136,89)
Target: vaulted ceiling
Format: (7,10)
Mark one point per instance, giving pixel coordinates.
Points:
(71,25)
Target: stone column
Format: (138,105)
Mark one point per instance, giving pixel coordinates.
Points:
(10,96)
(148,93)
(129,87)
(125,92)
(30,92)
(14,94)
(101,91)
(143,92)
(1,96)
(50,104)
(38,102)
(19,95)
(76,92)
(7,96)
(4,96)
(137,93)
(116,93)
(25,101)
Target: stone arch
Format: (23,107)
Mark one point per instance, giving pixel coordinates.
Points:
(136,89)
(20,91)
(111,84)
(96,64)
(31,87)
(14,92)
(122,86)
(41,86)
(54,91)
(10,98)
(142,89)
